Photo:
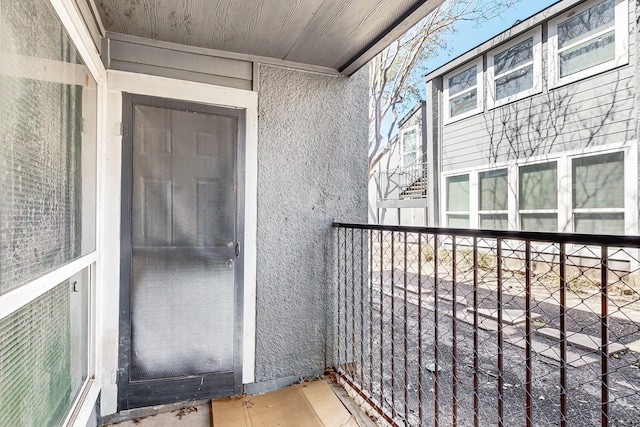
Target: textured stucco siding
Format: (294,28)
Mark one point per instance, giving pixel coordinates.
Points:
(312,169)
(597,110)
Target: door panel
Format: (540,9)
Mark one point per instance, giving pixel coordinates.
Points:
(180,287)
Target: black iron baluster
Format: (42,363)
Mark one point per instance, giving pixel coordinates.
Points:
(476,383)
(563,336)
(454,334)
(604,334)
(528,331)
(436,409)
(500,336)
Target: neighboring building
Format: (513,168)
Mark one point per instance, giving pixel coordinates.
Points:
(398,190)
(536,129)
(167,195)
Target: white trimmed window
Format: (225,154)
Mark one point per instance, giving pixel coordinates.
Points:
(463,92)
(591,191)
(409,146)
(538,197)
(587,40)
(493,199)
(48,240)
(598,200)
(457,201)
(514,70)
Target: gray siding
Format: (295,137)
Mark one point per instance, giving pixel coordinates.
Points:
(145,56)
(312,156)
(597,110)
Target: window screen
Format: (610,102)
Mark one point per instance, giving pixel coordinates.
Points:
(539,192)
(598,181)
(409,147)
(458,193)
(48,150)
(538,186)
(43,356)
(493,190)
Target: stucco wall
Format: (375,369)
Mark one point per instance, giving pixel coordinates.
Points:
(312,169)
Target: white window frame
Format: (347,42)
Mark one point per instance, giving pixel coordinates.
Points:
(481,212)
(621,27)
(536,61)
(564,186)
(555,211)
(472,187)
(418,150)
(479,64)
(630,191)
(84,403)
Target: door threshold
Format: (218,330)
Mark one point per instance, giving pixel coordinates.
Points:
(180,408)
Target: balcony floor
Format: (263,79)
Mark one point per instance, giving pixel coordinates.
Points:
(308,404)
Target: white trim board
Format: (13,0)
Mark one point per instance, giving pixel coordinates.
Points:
(119,82)
(23,295)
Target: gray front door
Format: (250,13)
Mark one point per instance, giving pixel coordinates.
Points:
(181,292)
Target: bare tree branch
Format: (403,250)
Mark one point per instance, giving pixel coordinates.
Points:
(395,74)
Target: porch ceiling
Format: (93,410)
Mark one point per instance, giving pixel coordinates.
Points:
(341,35)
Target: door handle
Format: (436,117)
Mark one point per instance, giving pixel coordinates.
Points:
(237,250)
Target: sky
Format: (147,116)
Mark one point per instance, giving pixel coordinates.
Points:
(471,34)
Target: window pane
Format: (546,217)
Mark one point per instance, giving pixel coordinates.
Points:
(599,223)
(409,141)
(588,54)
(494,222)
(458,193)
(539,222)
(493,190)
(458,221)
(538,186)
(461,104)
(513,57)
(43,356)
(598,181)
(515,82)
(409,159)
(462,81)
(584,24)
(47,148)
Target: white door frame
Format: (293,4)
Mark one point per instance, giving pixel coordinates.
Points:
(117,83)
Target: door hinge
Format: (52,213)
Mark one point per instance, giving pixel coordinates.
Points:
(122,129)
(118,375)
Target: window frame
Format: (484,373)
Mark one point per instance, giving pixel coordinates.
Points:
(608,210)
(536,62)
(418,149)
(479,64)
(621,28)
(480,212)
(80,409)
(564,186)
(555,211)
(468,213)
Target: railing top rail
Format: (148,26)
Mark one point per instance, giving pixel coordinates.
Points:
(618,241)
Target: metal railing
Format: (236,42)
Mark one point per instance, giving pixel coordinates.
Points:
(468,327)
(409,182)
